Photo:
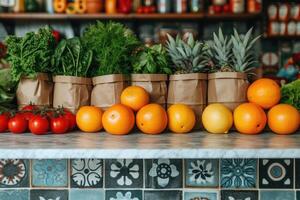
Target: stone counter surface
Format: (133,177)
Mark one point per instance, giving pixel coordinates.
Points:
(137,145)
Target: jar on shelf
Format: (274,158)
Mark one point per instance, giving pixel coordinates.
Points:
(148,2)
(273,12)
(136,4)
(111,6)
(274,28)
(19,6)
(292,28)
(283,28)
(164,6)
(254,6)
(94,6)
(237,6)
(283,12)
(7,5)
(298,29)
(181,6)
(196,6)
(31,6)
(295,12)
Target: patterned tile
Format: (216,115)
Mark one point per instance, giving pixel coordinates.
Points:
(124,173)
(163,173)
(123,195)
(201,195)
(297,173)
(277,195)
(49,173)
(14,194)
(202,173)
(86,173)
(239,195)
(49,195)
(238,173)
(276,173)
(14,173)
(89,194)
(163,195)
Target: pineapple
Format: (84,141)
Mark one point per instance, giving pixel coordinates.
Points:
(187,57)
(243,58)
(220,52)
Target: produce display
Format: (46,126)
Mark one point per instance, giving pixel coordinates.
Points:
(208,85)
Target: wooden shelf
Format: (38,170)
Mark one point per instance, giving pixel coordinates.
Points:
(132,16)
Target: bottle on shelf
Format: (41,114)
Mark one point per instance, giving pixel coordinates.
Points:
(181,6)
(237,6)
(164,6)
(111,6)
(19,6)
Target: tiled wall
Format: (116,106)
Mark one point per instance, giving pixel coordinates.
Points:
(165,179)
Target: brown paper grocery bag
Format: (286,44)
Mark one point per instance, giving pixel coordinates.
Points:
(38,91)
(71,92)
(228,88)
(107,90)
(189,89)
(154,84)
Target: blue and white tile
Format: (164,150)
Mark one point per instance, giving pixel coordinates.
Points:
(277,195)
(14,173)
(238,173)
(124,173)
(14,194)
(239,195)
(199,195)
(162,195)
(87,173)
(49,173)
(163,173)
(49,195)
(89,194)
(276,173)
(124,195)
(202,173)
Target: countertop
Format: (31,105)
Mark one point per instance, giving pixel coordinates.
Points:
(138,145)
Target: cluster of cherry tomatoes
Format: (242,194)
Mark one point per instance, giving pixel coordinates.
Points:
(38,121)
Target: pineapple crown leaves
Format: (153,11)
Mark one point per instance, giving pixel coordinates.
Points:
(188,57)
(220,50)
(242,51)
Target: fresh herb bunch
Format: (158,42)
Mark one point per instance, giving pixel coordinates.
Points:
(187,57)
(30,54)
(152,60)
(232,54)
(290,94)
(112,45)
(71,58)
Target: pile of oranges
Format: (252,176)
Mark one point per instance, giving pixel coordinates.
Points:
(252,117)
(136,109)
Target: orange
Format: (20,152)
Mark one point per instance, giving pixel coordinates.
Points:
(152,119)
(118,120)
(135,97)
(181,118)
(283,119)
(217,118)
(249,118)
(264,92)
(89,119)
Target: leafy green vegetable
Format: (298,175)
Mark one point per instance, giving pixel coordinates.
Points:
(7,91)
(30,54)
(290,94)
(152,60)
(112,45)
(71,58)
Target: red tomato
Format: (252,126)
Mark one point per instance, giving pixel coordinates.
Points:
(56,35)
(28,111)
(59,125)
(18,124)
(140,10)
(4,119)
(71,119)
(39,125)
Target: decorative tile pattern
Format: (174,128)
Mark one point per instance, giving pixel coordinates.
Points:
(163,195)
(124,173)
(276,173)
(202,173)
(14,173)
(277,195)
(49,195)
(239,195)
(49,173)
(86,173)
(201,195)
(238,173)
(14,194)
(88,194)
(297,173)
(163,173)
(124,195)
